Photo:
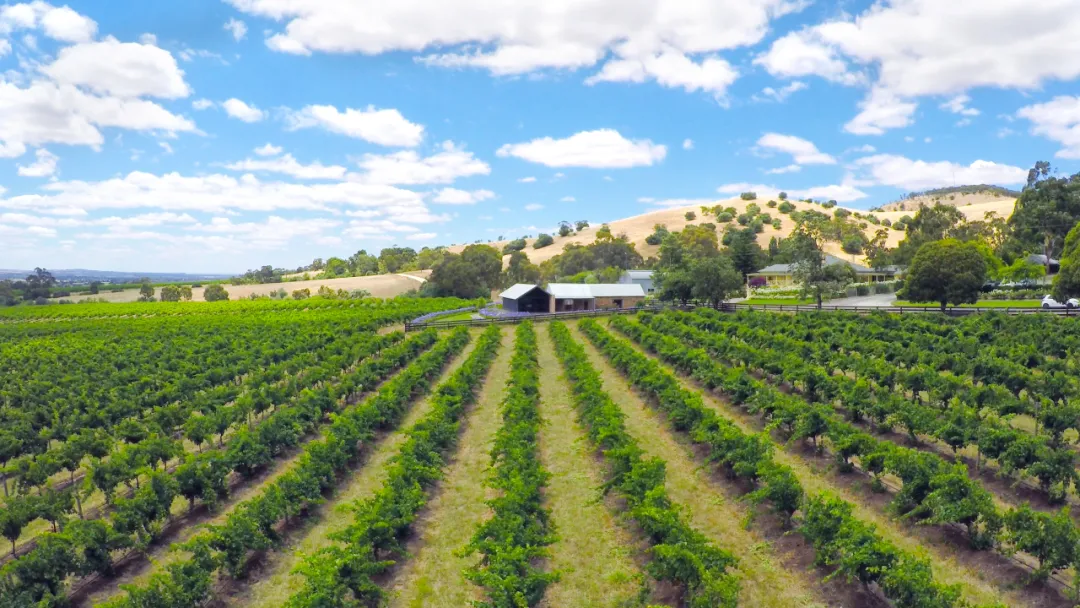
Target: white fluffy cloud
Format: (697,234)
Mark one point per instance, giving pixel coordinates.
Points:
(1057,119)
(59,23)
(289,166)
(558,33)
(533,207)
(237,28)
(879,112)
(527,180)
(44,166)
(269,150)
(212,193)
(799,54)
(409,168)
(383,127)
(202,104)
(123,69)
(958,105)
(804,152)
(600,149)
(688,144)
(453,196)
(243,111)
(671,69)
(784,169)
(45,113)
(781,94)
(914,175)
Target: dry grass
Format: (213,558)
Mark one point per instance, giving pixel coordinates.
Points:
(380,286)
(979,587)
(433,575)
(766,583)
(638,227)
(593,555)
(276,582)
(957,200)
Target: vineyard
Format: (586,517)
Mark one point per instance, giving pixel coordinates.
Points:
(313,455)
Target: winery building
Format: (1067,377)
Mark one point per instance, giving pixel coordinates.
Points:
(570,297)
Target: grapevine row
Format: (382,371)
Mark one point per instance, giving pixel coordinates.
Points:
(678,553)
(840,540)
(513,542)
(343,574)
(941,492)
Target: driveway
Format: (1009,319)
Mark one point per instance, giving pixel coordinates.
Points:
(880,300)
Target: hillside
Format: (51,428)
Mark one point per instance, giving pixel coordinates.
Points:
(957,196)
(638,227)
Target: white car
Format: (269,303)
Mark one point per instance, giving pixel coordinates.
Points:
(1049,302)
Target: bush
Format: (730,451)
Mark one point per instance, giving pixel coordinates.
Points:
(723,217)
(748,196)
(543,241)
(215,293)
(782,196)
(829,204)
(690,216)
(514,245)
(771,204)
(862,290)
(301,294)
(854,244)
(777,224)
(785,207)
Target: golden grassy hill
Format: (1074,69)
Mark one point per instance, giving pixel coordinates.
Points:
(638,227)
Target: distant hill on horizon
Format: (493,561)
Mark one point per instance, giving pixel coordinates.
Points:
(957,196)
(72,275)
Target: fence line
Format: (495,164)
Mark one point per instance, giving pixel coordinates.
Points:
(734,307)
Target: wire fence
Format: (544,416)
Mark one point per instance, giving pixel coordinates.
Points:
(735,307)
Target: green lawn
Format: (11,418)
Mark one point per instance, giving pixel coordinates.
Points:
(461,316)
(981,304)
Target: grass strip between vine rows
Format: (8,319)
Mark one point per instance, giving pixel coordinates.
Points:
(679,553)
(933,488)
(252,526)
(514,541)
(840,540)
(344,574)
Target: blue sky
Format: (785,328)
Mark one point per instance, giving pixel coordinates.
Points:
(216,136)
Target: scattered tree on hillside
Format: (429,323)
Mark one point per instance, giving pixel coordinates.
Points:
(38,284)
(146,293)
(215,293)
(947,272)
(170,293)
(581,225)
(782,196)
(543,240)
(748,196)
(396,259)
(514,245)
(565,229)
(690,216)
(363,264)
(660,232)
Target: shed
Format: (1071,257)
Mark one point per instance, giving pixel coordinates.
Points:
(524,297)
(639,277)
(566,297)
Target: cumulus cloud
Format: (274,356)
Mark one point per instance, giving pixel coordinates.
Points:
(600,149)
(650,40)
(879,112)
(289,166)
(802,151)
(242,111)
(409,168)
(688,144)
(123,69)
(269,150)
(958,105)
(45,113)
(59,23)
(1057,119)
(784,169)
(384,127)
(237,28)
(453,196)
(533,207)
(202,104)
(914,175)
(45,166)
(781,94)
(671,69)
(527,180)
